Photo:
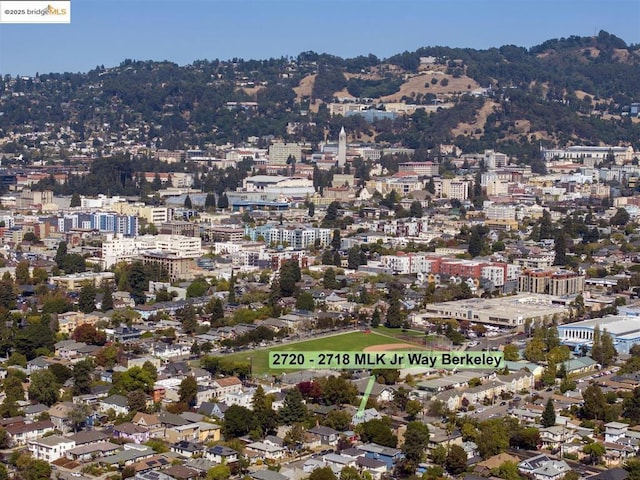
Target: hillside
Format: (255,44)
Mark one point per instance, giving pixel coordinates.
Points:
(564,91)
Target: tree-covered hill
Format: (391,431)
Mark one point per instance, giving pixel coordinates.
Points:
(564,91)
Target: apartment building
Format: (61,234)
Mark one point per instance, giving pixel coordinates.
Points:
(279,153)
(559,283)
(50,448)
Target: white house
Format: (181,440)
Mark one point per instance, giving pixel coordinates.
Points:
(50,448)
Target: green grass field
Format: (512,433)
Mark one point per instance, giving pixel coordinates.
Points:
(346,342)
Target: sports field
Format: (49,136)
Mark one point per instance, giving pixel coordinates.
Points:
(346,342)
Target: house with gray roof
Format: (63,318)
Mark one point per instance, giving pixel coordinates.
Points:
(542,467)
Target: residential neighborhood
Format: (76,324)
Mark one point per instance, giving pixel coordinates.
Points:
(167,231)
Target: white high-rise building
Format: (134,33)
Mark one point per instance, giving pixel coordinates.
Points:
(342,148)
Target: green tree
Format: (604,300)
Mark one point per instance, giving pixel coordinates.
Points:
(329,279)
(331,215)
(23,277)
(289,275)
(508,470)
(219,472)
(107,296)
(478,240)
(215,308)
(223,201)
(511,353)
(210,201)
(350,473)
(13,390)
(322,473)
(632,466)
(187,316)
(415,210)
(82,376)
(43,387)
(198,288)
(61,372)
(339,391)
(549,414)
(187,202)
(438,455)
(595,450)
(188,391)
(608,351)
(312,209)
(375,318)
(137,401)
(336,240)
(594,404)
(135,378)
(620,218)
(493,438)
(295,436)
(546,225)
(534,351)
(265,417)
(79,414)
(560,249)
(416,440)
(76,201)
(305,302)
(378,431)
(327,257)
(631,406)
(456,462)
(37,470)
(87,298)
(18,359)
(339,420)
(293,410)
(238,421)
(413,408)
(61,255)
(394,314)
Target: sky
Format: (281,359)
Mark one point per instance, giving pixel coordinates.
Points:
(107,32)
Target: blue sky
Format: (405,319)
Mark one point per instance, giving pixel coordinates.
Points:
(107,32)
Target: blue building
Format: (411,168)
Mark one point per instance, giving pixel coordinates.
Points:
(387,455)
(624,329)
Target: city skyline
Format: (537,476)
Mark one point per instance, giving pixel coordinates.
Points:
(249,29)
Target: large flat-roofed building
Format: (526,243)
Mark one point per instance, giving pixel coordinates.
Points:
(117,249)
(624,329)
(76,281)
(584,153)
(513,311)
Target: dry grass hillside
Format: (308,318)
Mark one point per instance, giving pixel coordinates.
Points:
(305,87)
(421,84)
(413,86)
(479,122)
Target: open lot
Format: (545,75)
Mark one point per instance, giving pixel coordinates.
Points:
(347,342)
